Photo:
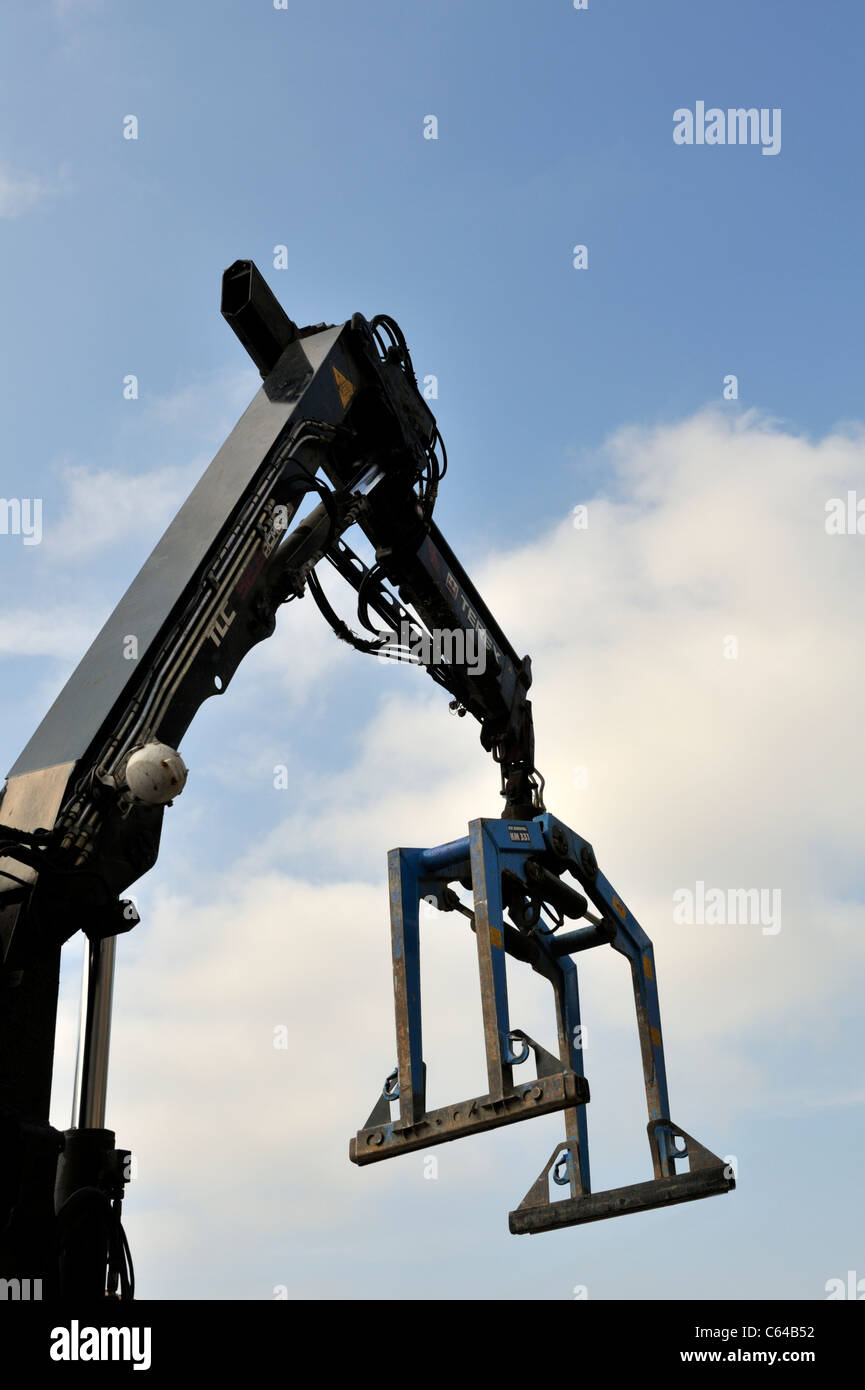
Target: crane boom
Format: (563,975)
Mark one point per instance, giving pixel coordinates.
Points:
(338,418)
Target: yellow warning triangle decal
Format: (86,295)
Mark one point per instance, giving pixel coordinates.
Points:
(344,386)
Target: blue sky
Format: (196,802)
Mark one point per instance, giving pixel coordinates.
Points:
(557,386)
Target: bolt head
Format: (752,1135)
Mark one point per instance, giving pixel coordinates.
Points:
(559,840)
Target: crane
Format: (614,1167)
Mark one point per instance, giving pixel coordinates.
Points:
(339,420)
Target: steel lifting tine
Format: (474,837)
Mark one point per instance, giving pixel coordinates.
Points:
(491,960)
(405,939)
(642,963)
(576,1119)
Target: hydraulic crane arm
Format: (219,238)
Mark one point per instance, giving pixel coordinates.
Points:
(81,814)
(330,403)
(339,418)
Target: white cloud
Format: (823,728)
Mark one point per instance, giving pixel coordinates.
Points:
(20,192)
(64,632)
(206,409)
(741,773)
(105,507)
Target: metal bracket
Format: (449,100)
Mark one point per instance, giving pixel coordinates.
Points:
(708,1176)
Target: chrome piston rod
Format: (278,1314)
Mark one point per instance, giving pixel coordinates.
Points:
(94,1035)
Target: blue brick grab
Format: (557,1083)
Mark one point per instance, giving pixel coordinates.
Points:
(516,870)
